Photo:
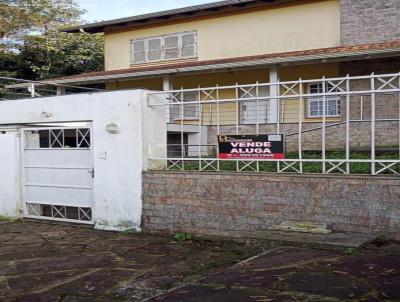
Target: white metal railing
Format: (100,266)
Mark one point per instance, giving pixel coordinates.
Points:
(13,88)
(361,137)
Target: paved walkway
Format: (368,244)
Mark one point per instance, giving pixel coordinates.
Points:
(300,274)
(42,262)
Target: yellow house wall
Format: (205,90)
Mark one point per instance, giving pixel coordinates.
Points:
(275,29)
(227,111)
(290,108)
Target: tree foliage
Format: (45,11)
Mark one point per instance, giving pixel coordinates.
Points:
(33,47)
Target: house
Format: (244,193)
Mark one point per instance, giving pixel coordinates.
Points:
(301,69)
(239,42)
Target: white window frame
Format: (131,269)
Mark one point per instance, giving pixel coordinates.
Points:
(162,38)
(320,99)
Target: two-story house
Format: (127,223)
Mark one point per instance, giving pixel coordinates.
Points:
(244,42)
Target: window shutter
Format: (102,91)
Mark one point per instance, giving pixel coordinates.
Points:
(171,47)
(188,45)
(154,49)
(139,51)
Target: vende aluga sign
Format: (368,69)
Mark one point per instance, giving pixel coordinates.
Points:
(262,146)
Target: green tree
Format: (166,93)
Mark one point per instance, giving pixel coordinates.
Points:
(21,17)
(32,47)
(57,54)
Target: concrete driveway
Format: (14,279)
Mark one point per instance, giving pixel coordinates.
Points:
(63,263)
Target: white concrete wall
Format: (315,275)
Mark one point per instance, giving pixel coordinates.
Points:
(9,173)
(118,176)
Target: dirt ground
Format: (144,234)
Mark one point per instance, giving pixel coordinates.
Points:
(64,263)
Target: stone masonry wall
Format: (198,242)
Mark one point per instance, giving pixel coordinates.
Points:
(369,21)
(230,203)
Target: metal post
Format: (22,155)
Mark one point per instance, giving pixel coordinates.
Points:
(257,108)
(32,90)
(200,123)
(218,128)
(182,142)
(237,119)
(300,136)
(323,126)
(257,121)
(278,113)
(373,170)
(347,125)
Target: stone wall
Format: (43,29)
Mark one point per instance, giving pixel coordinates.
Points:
(369,21)
(229,203)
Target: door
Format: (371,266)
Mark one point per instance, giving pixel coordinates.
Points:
(58,173)
(251,110)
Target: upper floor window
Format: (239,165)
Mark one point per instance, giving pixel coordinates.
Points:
(315,105)
(162,48)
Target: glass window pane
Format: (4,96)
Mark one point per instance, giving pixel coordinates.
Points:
(188,51)
(187,40)
(139,57)
(139,46)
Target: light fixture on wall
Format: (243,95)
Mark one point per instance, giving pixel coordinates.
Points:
(113,128)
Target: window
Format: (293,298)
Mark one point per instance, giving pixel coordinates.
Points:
(57,138)
(163,48)
(315,105)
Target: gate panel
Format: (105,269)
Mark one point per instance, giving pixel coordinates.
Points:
(58,174)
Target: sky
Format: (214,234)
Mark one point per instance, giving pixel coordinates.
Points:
(100,10)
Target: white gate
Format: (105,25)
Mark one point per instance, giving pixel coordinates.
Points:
(57,174)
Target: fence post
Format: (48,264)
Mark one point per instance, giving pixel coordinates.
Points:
(300,135)
(323,125)
(32,90)
(373,168)
(347,125)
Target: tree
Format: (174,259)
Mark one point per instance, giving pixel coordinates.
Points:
(57,54)
(21,17)
(32,47)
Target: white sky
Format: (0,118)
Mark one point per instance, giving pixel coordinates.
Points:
(100,10)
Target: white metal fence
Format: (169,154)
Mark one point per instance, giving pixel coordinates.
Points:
(347,125)
(13,88)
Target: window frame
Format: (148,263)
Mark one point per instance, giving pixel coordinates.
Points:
(163,49)
(320,99)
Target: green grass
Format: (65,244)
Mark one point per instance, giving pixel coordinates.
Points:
(308,167)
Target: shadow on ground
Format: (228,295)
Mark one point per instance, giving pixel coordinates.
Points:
(49,262)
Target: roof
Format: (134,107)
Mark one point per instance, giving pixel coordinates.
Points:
(332,54)
(173,14)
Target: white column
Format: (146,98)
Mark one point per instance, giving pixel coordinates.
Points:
(274,91)
(167,86)
(167,83)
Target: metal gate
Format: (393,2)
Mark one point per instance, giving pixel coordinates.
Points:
(57,174)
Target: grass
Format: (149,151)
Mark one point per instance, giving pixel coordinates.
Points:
(308,167)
